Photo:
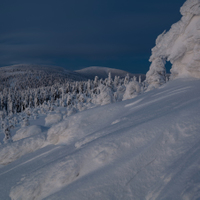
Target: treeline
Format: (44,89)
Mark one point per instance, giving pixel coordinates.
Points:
(97,91)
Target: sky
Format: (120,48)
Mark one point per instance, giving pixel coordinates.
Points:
(81,33)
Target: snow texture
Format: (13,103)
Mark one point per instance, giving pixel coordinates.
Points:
(180,45)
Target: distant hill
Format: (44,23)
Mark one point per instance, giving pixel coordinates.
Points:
(25,76)
(102,72)
(33,76)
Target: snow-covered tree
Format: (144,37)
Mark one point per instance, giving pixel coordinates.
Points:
(25,122)
(132,90)
(126,79)
(156,76)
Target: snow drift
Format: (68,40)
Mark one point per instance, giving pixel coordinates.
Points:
(180,45)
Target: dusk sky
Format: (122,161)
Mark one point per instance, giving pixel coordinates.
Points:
(81,33)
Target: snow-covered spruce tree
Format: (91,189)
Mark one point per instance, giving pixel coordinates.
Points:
(126,79)
(140,79)
(53,94)
(25,122)
(7,133)
(96,81)
(156,76)
(116,81)
(31,103)
(89,88)
(109,82)
(10,105)
(2,115)
(63,104)
(80,87)
(69,100)
(105,96)
(132,90)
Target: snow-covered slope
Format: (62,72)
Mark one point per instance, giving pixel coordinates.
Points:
(180,45)
(33,76)
(144,148)
(102,72)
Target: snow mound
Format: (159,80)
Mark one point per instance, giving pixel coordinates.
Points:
(47,181)
(180,45)
(13,151)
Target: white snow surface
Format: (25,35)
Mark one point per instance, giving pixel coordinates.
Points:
(180,45)
(143,148)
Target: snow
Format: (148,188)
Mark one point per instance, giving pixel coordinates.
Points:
(143,148)
(180,45)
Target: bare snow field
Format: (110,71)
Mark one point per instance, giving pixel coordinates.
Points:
(144,148)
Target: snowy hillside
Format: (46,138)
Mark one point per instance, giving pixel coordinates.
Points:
(112,139)
(102,72)
(34,76)
(144,148)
